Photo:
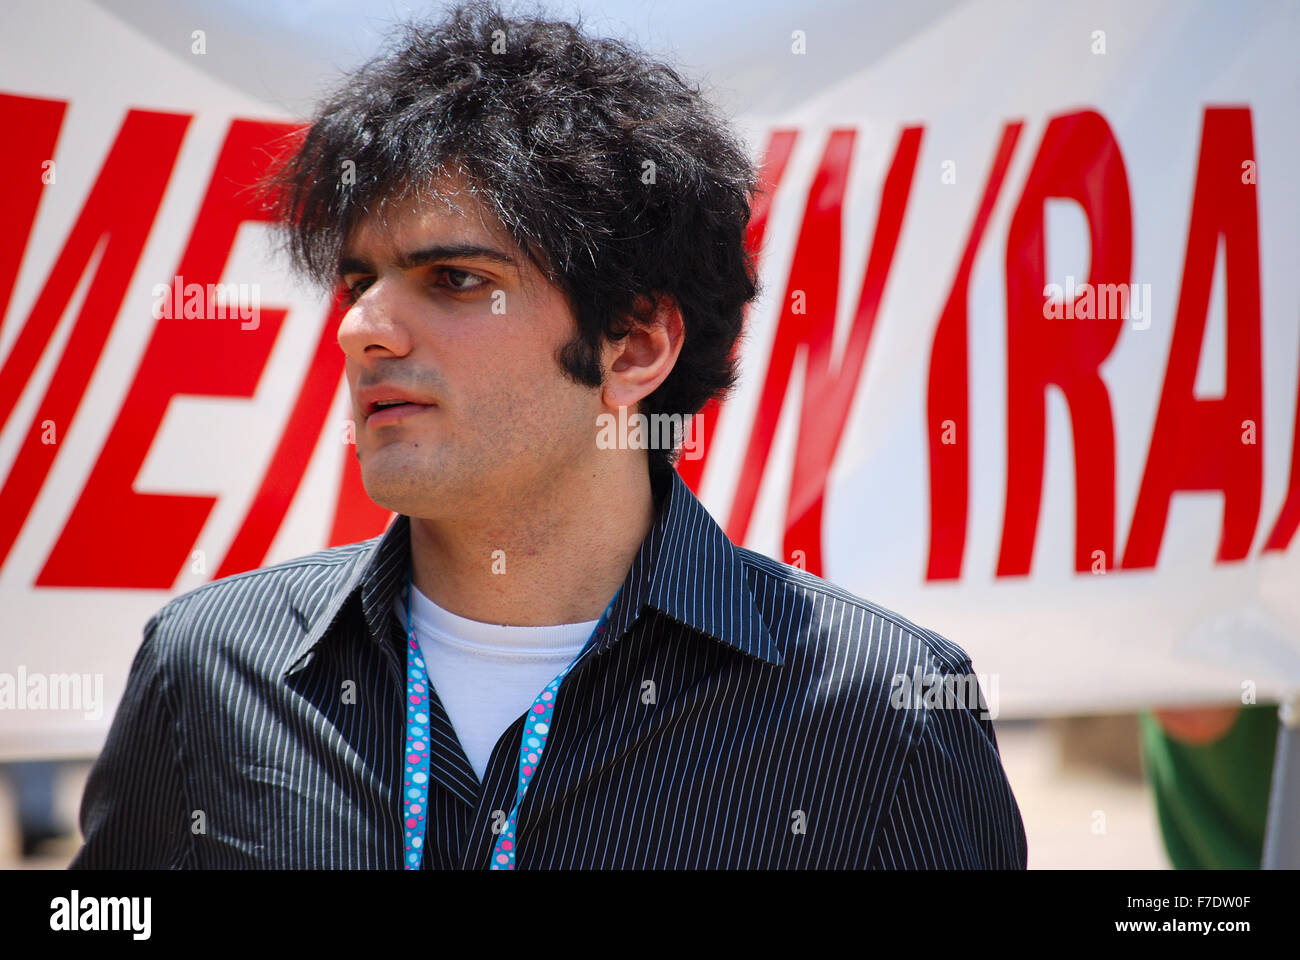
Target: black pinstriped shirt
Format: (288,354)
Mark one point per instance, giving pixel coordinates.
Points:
(739,713)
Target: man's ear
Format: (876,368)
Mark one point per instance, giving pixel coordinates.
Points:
(636,365)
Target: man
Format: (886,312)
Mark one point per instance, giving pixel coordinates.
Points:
(536,232)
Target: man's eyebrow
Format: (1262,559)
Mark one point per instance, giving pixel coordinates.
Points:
(418,258)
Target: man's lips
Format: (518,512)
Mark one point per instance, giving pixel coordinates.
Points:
(396,414)
(370,398)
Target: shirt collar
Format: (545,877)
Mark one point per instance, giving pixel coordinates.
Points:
(687,569)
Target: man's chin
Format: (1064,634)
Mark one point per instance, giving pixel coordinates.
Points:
(410,489)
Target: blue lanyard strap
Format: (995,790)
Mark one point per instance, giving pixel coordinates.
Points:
(415,791)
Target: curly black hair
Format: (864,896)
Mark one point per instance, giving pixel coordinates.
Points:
(613,175)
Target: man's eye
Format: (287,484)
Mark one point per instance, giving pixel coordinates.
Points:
(353,292)
(462,280)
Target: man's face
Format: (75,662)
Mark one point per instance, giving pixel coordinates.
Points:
(448,313)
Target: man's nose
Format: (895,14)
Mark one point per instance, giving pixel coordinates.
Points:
(377,325)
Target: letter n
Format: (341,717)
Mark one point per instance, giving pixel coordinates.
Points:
(828,387)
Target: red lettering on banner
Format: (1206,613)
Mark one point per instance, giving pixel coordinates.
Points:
(289,462)
(149,536)
(113,223)
(1197,444)
(298,441)
(828,392)
(22,167)
(948,397)
(1080,160)
(776,157)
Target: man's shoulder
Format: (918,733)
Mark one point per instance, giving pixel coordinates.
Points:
(806,608)
(291,592)
(855,665)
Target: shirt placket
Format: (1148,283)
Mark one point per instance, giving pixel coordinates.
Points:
(501,778)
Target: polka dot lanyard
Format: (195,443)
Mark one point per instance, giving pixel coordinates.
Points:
(537,725)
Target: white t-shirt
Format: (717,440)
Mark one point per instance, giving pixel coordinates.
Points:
(485,674)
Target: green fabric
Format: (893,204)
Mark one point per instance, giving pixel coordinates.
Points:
(1212,800)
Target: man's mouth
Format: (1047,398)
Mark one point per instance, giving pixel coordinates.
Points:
(393,411)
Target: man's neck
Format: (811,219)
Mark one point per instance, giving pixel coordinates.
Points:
(557,558)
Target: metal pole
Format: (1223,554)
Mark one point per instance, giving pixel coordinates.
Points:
(1282,835)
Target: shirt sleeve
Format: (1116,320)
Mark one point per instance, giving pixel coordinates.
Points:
(133,813)
(953,807)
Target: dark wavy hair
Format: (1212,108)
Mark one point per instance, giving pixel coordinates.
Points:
(613,175)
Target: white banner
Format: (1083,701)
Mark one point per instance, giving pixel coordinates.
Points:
(1025,369)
